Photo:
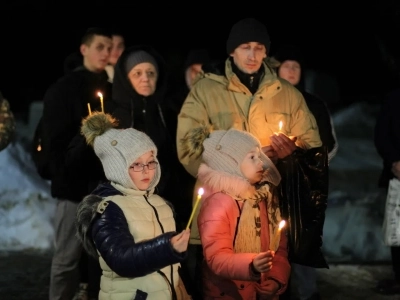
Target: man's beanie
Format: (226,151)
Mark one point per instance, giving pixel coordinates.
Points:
(289,52)
(197,56)
(139,57)
(245,31)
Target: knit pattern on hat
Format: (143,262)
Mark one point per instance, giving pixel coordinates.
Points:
(225,150)
(139,57)
(118,148)
(245,31)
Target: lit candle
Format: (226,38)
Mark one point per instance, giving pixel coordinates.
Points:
(199,194)
(89,109)
(280,126)
(101,101)
(277,235)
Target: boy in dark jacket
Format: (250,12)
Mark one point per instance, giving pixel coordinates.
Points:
(66,103)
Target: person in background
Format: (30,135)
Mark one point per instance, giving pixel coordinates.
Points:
(192,67)
(7,123)
(118,46)
(244,92)
(387,143)
(66,103)
(290,65)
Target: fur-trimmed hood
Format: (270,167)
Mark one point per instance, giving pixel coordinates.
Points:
(86,212)
(217,181)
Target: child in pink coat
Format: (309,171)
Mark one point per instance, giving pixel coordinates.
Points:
(245,252)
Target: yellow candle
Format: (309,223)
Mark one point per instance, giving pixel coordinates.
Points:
(199,194)
(101,101)
(280,126)
(277,235)
(89,109)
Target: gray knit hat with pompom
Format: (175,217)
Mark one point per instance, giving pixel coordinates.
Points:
(117,148)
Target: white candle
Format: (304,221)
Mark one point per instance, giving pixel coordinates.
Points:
(89,109)
(101,101)
(277,235)
(199,194)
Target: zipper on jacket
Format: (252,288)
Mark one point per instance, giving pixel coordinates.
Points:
(171,284)
(155,212)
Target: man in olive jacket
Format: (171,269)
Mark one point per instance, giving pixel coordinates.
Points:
(245,93)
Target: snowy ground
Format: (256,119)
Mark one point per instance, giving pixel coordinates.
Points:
(352,233)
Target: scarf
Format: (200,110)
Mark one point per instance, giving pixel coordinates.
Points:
(248,237)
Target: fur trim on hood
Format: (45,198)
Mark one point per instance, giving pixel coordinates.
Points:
(233,185)
(85,214)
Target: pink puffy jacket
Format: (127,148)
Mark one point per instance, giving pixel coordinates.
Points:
(226,275)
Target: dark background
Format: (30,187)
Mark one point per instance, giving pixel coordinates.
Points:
(357,44)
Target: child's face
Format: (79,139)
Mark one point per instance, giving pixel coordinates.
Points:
(142,170)
(252,166)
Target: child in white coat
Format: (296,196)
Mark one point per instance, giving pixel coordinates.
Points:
(124,224)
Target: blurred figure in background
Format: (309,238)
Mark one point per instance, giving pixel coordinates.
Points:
(290,65)
(193,64)
(387,143)
(73,174)
(118,46)
(7,123)
(192,67)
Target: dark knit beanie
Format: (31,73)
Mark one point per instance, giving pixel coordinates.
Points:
(197,56)
(139,57)
(289,52)
(245,31)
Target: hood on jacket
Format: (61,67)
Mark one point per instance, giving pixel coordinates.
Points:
(86,212)
(105,189)
(123,91)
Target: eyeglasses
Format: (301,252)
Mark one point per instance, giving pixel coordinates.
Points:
(137,167)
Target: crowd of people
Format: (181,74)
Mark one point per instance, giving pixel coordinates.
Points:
(126,172)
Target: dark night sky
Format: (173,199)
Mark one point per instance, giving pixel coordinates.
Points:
(342,41)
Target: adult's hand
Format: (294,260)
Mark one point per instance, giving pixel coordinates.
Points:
(283,145)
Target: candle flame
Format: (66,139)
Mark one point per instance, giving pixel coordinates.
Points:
(201,191)
(280,125)
(282,224)
(100,95)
